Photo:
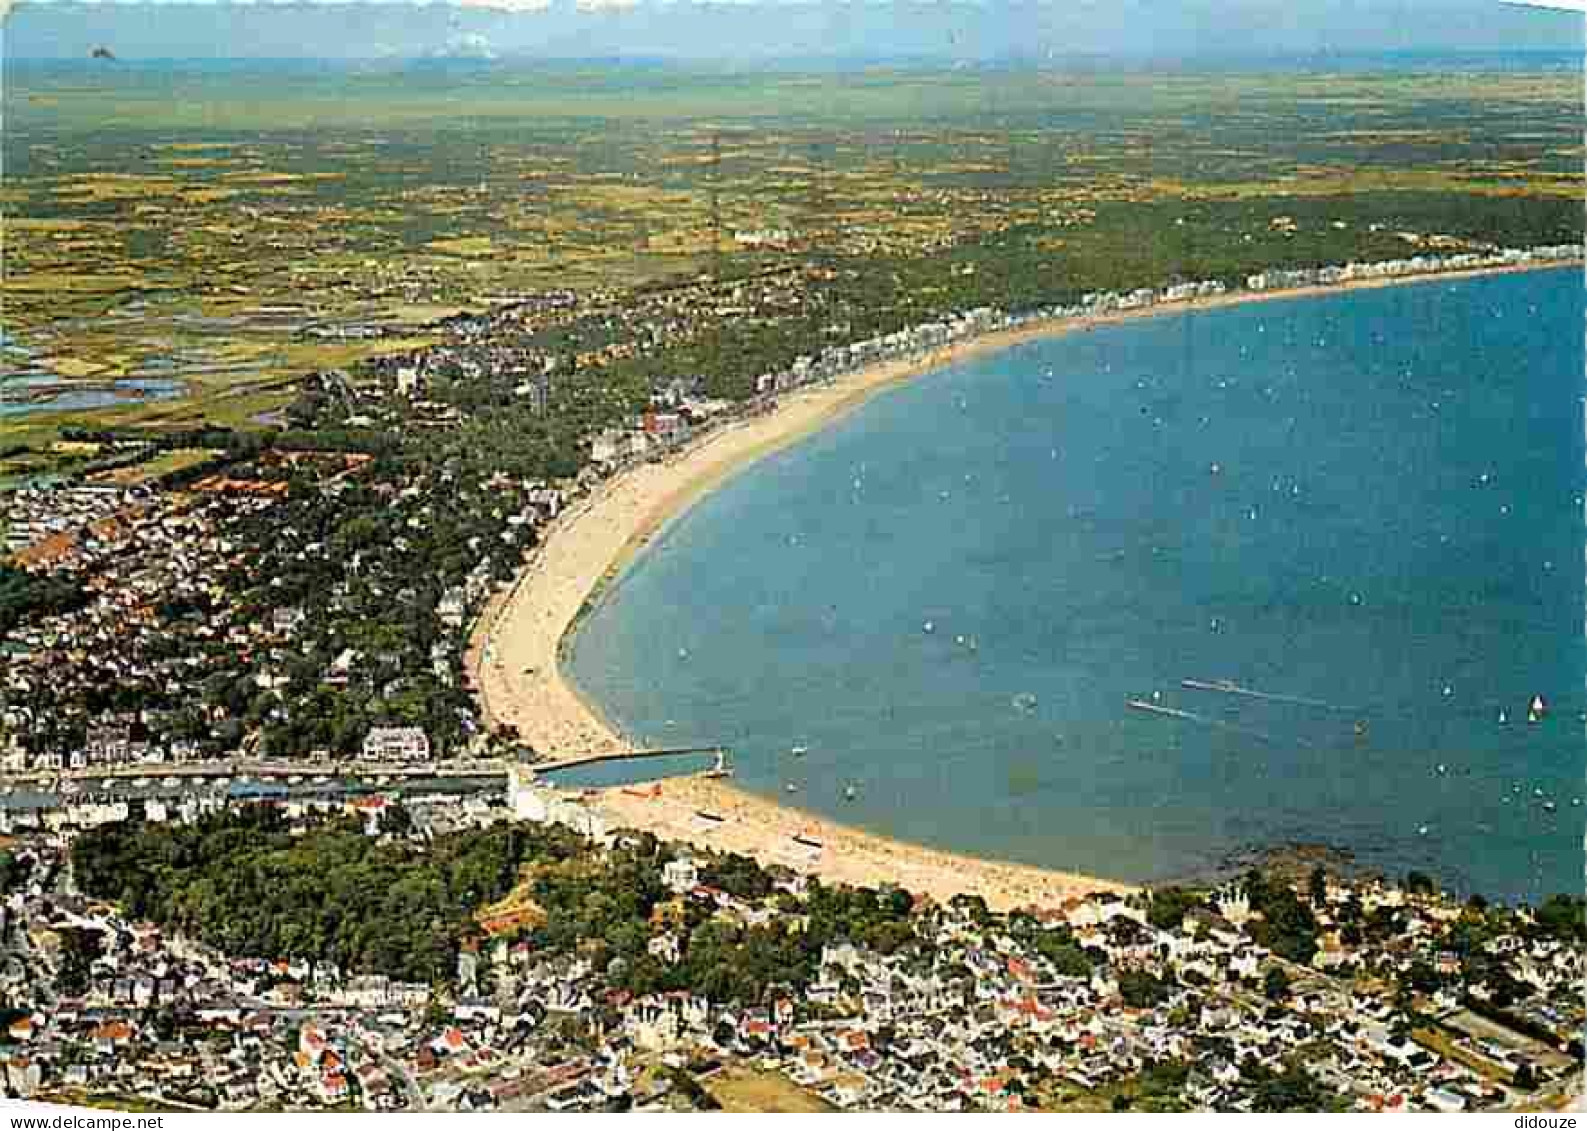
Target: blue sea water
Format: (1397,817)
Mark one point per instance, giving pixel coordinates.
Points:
(1370,503)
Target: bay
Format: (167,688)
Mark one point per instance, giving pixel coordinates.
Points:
(1365,504)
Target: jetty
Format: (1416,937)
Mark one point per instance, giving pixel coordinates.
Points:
(574,761)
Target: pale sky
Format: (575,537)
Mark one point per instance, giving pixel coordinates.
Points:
(738,29)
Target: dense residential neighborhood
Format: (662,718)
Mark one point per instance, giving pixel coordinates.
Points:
(305,596)
(294,595)
(1263,994)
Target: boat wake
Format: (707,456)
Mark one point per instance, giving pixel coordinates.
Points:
(1229,687)
(1203,720)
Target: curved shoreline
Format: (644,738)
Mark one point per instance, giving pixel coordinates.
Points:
(516,653)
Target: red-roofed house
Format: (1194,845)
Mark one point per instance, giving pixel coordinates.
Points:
(111,1035)
(450,1043)
(311,1043)
(333,1087)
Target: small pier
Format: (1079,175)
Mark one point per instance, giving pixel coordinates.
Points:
(577,761)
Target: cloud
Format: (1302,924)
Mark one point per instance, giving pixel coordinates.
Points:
(467,45)
(504,5)
(606,5)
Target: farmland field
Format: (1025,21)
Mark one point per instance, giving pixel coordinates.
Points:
(232,227)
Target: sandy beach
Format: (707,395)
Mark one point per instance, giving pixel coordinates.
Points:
(753,826)
(515,655)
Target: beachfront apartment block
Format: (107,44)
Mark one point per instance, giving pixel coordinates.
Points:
(396,744)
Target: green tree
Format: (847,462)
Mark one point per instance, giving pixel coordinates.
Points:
(240,881)
(24,595)
(1294,1089)
(1420,883)
(1421,977)
(1562,917)
(1169,906)
(1140,990)
(396,819)
(1288,927)
(1317,886)
(79,948)
(13,872)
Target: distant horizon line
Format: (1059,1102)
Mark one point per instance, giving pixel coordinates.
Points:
(1025,61)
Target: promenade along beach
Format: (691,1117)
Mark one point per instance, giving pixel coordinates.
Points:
(520,648)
